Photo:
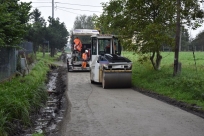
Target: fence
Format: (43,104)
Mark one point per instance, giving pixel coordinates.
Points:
(9,59)
(186,48)
(7,62)
(27,47)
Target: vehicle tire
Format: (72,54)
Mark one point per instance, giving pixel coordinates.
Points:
(67,66)
(91,79)
(92,82)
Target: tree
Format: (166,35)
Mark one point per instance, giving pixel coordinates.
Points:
(150,23)
(36,17)
(147,23)
(198,41)
(83,22)
(14,16)
(57,34)
(37,29)
(185,39)
(39,33)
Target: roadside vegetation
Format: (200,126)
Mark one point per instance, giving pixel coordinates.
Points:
(22,96)
(187,87)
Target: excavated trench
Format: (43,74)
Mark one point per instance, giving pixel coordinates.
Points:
(49,118)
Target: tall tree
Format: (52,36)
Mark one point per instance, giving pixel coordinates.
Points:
(36,30)
(150,23)
(57,34)
(83,22)
(14,16)
(36,17)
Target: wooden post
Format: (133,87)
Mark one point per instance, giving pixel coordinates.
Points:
(177,39)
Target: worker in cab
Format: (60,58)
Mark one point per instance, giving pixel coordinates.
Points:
(114,48)
(77,44)
(107,48)
(84,58)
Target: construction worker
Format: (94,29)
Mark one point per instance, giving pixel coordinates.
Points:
(77,44)
(84,58)
(108,48)
(114,48)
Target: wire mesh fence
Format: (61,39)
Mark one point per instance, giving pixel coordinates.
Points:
(7,62)
(9,59)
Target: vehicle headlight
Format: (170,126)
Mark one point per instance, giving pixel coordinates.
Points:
(105,66)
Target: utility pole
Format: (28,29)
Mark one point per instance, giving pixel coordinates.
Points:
(177,39)
(51,49)
(180,39)
(52,9)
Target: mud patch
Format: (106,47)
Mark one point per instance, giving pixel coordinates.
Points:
(184,106)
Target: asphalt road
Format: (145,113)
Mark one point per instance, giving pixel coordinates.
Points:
(122,112)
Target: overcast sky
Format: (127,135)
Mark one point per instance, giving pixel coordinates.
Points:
(67,10)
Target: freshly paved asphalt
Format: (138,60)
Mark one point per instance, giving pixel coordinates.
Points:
(94,111)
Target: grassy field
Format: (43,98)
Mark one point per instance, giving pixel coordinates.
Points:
(187,87)
(21,96)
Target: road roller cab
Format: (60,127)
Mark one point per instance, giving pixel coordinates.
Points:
(107,65)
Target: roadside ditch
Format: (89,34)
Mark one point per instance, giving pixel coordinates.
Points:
(49,119)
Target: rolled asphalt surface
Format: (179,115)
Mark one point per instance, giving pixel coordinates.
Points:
(94,111)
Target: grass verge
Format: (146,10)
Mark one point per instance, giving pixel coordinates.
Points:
(187,87)
(23,95)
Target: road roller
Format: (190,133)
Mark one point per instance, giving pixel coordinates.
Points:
(107,66)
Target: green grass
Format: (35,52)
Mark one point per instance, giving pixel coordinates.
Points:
(187,87)
(23,95)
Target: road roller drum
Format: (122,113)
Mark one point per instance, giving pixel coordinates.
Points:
(117,79)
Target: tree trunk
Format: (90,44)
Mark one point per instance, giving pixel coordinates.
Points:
(157,62)
(43,50)
(152,60)
(52,52)
(34,48)
(177,39)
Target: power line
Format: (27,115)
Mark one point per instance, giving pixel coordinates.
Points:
(79,9)
(69,4)
(42,6)
(77,4)
(41,2)
(57,7)
(66,11)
